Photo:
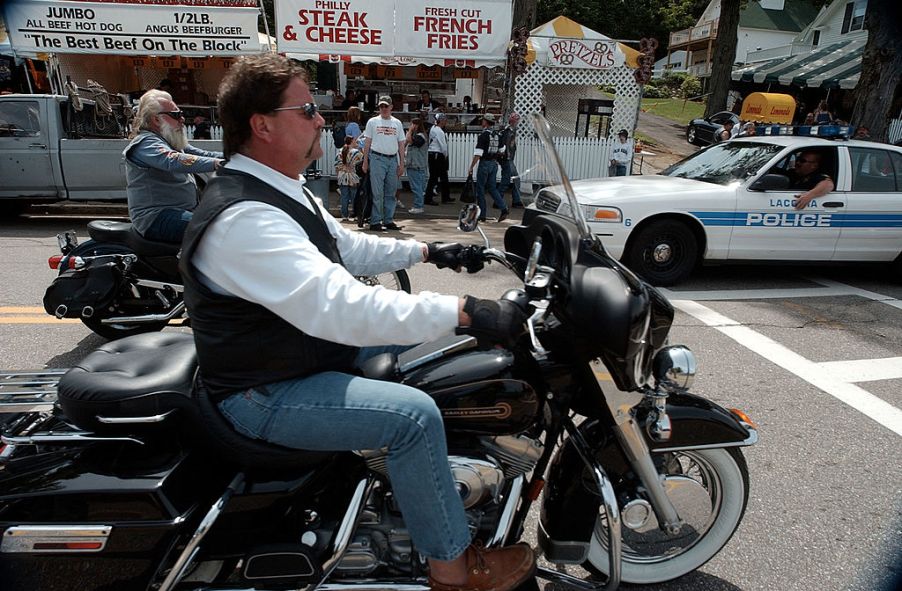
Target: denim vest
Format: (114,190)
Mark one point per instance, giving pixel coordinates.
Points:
(150,190)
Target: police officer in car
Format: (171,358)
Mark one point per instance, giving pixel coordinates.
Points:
(807,176)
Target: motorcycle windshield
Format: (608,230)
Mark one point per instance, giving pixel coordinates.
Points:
(549,169)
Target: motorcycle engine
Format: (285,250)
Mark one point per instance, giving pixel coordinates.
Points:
(480,474)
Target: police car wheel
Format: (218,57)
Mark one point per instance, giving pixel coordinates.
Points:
(663,253)
(690,135)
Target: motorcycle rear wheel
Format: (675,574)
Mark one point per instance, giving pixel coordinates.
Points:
(111,332)
(710,494)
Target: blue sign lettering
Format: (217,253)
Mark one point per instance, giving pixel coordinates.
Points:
(789,220)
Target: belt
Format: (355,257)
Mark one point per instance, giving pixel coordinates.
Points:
(384,155)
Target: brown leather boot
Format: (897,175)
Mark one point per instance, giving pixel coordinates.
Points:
(498,569)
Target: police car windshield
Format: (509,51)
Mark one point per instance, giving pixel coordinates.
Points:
(724,163)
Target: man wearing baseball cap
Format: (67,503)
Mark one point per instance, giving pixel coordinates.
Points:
(383,158)
(486,156)
(621,154)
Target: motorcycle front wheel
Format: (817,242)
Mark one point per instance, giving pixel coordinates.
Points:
(398,280)
(710,490)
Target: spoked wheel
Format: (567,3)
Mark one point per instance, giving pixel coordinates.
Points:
(709,489)
(399,280)
(664,252)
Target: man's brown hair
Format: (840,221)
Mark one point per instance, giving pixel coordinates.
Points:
(255,84)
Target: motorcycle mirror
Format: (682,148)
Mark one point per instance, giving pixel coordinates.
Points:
(468,220)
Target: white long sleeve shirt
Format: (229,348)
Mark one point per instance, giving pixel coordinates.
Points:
(259,253)
(438,142)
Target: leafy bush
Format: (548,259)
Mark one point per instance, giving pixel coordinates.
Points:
(652,91)
(690,87)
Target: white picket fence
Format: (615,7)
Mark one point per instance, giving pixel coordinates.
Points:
(582,157)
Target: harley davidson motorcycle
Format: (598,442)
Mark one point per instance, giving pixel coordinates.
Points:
(119,283)
(121,474)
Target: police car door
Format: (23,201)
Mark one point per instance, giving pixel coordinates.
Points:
(872,227)
(768,227)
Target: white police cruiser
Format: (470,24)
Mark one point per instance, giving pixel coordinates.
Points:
(730,202)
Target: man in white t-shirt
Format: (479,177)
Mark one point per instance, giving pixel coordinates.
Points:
(383,158)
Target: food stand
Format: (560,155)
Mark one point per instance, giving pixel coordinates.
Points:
(130,46)
(445,46)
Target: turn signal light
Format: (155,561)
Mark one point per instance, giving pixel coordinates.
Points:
(54,261)
(68,546)
(743,417)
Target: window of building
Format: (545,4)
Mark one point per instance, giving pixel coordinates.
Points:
(853,19)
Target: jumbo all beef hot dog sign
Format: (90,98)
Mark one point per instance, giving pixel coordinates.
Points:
(134,27)
(449,29)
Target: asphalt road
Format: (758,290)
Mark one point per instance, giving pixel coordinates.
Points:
(813,355)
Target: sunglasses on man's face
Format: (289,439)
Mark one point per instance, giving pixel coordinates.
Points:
(174,114)
(309,109)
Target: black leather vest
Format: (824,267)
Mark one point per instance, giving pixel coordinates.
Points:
(241,344)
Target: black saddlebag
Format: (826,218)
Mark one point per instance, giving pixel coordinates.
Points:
(81,292)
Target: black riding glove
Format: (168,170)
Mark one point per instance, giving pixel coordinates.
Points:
(494,321)
(444,255)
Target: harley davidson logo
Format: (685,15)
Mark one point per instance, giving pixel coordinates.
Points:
(500,411)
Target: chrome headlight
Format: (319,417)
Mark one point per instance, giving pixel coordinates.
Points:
(602,214)
(675,368)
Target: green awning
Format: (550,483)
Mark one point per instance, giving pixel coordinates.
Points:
(837,65)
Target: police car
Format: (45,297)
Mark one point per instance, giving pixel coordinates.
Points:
(730,202)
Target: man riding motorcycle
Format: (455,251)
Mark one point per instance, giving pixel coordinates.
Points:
(159,163)
(280,328)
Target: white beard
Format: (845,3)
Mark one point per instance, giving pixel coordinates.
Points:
(174,136)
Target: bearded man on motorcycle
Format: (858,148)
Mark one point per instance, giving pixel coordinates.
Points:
(159,167)
(280,323)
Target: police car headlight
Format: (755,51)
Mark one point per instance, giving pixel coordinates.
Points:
(602,214)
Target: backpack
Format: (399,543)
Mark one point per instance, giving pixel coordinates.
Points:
(338,135)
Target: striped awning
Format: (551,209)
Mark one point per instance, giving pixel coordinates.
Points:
(837,65)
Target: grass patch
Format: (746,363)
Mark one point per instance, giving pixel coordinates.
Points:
(677,110)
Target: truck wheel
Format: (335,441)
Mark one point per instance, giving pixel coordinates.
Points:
(690,135)
(663,253)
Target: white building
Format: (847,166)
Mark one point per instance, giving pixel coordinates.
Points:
(763,25)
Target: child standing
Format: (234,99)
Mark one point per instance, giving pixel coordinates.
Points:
(346,162)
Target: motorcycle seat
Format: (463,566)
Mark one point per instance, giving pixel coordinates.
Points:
(139,377)
(151,248)
(146,376)
(109,231)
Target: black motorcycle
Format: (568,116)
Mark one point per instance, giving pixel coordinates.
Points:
(121,473)
(118,283)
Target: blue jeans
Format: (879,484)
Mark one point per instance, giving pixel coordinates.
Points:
(509,169)
(334,411)
(384,182)
(620,169)
(169,225)
(417,178)
(485,179)
(347,198)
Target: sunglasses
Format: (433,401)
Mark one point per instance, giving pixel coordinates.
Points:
(174,114)
(309,109)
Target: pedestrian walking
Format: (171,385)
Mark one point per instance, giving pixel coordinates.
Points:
(509,172)
(486,157)
(438,161)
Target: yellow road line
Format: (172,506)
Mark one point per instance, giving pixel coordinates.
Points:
(21,310)
(37,320)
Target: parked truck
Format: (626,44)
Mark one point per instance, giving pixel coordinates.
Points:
(55,149)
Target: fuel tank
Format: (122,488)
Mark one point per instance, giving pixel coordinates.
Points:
(477,392)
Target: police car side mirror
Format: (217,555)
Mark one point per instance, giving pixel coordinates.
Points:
(771,182)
